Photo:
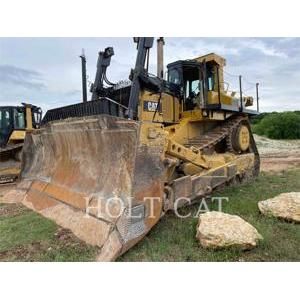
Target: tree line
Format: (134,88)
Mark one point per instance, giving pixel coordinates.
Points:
(277,125)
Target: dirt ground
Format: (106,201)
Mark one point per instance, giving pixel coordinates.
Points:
(5,188)
(278,155)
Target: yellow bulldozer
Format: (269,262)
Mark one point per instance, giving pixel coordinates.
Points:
(108,169)
(15,121)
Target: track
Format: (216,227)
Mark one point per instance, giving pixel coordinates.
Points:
(207,142)
(10,148)
(212,138)
(219,133)
(9,163)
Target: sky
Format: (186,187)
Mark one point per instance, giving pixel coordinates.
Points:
(47,71)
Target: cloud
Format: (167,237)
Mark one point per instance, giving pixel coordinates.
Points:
(273,62)
(29,79)
(261,46)
(73,93)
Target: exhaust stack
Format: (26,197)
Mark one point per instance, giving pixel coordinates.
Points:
(160,57)
(83,74)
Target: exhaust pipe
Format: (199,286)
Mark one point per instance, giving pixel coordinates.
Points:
(160,57)
(83,74)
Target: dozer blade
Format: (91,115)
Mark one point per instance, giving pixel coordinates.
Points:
(93,176)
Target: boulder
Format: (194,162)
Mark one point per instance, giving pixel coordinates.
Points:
(285,206)
(219,230)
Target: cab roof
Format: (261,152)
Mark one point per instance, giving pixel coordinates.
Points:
(212,57)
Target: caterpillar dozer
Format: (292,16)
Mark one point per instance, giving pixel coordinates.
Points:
(108,169)
(15,121)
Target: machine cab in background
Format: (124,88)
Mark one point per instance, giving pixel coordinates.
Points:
(11,118)
(15,120)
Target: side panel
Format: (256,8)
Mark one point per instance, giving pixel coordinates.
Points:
(163,108)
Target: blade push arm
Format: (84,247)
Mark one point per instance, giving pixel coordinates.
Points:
(144,45)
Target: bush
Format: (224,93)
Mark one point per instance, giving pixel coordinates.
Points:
(285,125)
(256,119)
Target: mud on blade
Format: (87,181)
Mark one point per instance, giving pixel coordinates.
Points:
(92,175)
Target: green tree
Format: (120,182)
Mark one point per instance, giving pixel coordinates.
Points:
(285,125)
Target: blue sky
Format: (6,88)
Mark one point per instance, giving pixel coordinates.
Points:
(46,71)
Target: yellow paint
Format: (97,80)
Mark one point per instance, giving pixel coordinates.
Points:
(213,98)
(169,107)
(242,162)
(173,136)
(152,134)
(28,118)
(192,155)
(17,135)
(244,138)
(10,171)
(213,161)
(193,115)
(212,57)
(216,61)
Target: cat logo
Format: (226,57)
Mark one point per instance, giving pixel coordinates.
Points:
(150,106)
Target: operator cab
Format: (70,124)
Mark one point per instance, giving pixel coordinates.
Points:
(187,75)
(197,78)
(14,118)
(10,118)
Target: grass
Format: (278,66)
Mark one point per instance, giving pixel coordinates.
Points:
(26,236)
(173,239)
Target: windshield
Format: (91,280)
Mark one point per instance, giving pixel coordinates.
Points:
(5,120)
(174,76)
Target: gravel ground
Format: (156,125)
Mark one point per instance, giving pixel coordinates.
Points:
(278,155)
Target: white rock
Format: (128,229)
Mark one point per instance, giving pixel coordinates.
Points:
(220,230)
(285,206)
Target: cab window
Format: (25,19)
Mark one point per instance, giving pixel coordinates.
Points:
(210,78)
(210,83)
(19,118)
(195,86)
(5,121)
(192,88)
(174,76)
